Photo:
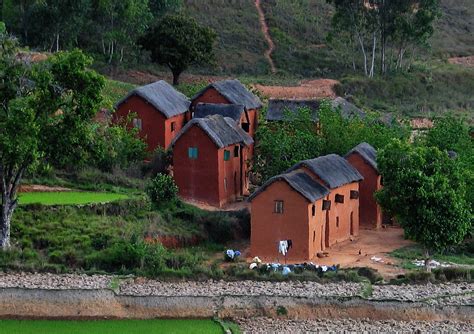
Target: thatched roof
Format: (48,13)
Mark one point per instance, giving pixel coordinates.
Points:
(162,96)
(278,107)
(348,110)
(300,182)
(223,131)
(234,92)
(332,169)
(367,152)
(233,111)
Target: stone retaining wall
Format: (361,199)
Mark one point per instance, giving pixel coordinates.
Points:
(104,303)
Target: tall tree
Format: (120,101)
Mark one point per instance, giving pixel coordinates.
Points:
(426,191)
(178,42)
(35,101)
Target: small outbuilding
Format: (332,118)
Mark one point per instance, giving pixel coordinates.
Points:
(231,92)
(288,207)
(209,160)
(335,173)
(363,157)
(159,111)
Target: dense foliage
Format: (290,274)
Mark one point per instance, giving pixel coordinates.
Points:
(178,42)
(282,144)
(162,190)
(425,190)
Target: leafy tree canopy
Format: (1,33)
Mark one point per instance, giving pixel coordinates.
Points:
(178,42)
(426,191)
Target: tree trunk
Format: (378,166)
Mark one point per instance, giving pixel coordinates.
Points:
(372,66)
(363,52)
(6,211)
(57,42)
(427,261)
(176,74)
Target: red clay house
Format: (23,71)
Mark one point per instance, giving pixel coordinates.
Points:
(160,112)
(231,92)
(334,172)
(288,207)
(209,160)
(329,216)
(363,157)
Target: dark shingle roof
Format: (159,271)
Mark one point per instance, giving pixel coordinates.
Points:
(348,110)
(332,169)
(367,152)
(162,96)
(300,182)
(223,131)
(235,92)
(278,107)
(233,111)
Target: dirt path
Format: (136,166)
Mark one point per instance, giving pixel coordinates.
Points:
(268,38)
(463,61)
(30,188)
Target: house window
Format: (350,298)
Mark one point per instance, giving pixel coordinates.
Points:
(313,210)
(173,126)
(193,153)
(226,155)
(236,151)
(354,194)
(137,123)
(339,198)
(326,205)
(314,236)
(278,207)
(337,222)
(246,127)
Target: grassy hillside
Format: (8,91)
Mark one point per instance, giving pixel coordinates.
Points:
(299,30)
(241,45)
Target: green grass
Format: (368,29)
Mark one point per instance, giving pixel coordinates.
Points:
(68,198)
(410,253)
(109,327)
(114,91)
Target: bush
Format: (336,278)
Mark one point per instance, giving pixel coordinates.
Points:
(371,274)
(162,190)
(454,274)
(159,163)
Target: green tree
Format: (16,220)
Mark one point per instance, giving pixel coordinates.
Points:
(162,190)
(178,42)
(280,146)
(39,102)
(425,190)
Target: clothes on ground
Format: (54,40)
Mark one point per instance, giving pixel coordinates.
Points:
(285,271)
(294,268)
(232,254)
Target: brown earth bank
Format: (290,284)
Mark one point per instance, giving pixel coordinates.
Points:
(467,61)
(94,304)
(307,89)
(29,188)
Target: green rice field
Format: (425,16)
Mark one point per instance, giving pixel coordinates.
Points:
(109,327)
(68,197)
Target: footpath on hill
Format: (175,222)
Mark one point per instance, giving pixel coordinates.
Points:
(266,34)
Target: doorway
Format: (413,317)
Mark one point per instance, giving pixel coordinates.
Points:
(352,223)
(327,230)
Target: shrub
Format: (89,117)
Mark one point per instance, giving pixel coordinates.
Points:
(372,274)
(453,274)
(159,163)
(162,190)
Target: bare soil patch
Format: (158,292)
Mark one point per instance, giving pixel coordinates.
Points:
(143,78)
(371,244)
(31,188)
(308,89)
(463,61)
(236,206)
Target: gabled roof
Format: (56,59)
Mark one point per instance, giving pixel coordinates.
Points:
(278,107)
(300,182)
(233,111)
(348,110)
(367,152)
(223,131)
(332,169)
(234,92)
(162,96)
